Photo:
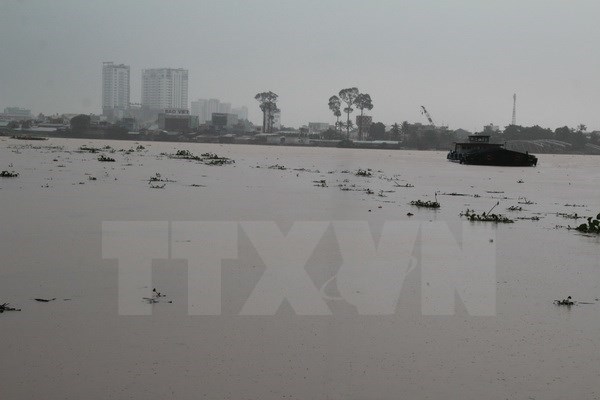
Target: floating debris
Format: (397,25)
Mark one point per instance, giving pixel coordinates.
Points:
(408,185)
(523,200)
(366,173)
(45,300)
(515,208)
(8,174)
(155,186)
(158,178)
(486,217)
(321,183)
(104,158)
(206,158)
(183,154)
(213,159)
(277,166)
(7,307)
(426,204)
(564,302)
(87,149)
(156,296)
(28,137)
(455,194)
(569,216)
(575,205)
(592,226)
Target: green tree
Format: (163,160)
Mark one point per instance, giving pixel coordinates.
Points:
(13,125)
(563,133)
(268,106)
(395,132)
(377,131)
(363,101)
(332,134)
(80,123)
(348,96)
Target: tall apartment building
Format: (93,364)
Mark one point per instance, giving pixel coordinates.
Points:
(199,109)
(115,90)
(165,88)
(211,108)
(224,108)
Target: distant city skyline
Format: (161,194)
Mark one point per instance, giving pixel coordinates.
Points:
(463,59)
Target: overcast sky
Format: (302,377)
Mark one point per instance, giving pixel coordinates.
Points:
(462,59)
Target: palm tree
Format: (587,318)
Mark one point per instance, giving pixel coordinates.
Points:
(362,101)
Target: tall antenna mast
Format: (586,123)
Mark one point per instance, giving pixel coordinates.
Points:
(514,118)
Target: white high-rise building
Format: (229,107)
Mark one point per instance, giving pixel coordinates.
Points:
(200,109)
(115,89)
(165,88)
(212,107)
(225,108)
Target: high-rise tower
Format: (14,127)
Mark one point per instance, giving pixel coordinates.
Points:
(115,90)
(165,88)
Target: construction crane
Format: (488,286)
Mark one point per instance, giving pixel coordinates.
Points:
(424,111)
(514,116)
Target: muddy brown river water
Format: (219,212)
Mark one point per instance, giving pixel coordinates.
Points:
(338,339)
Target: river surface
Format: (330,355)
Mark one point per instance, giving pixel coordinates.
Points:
(82,346)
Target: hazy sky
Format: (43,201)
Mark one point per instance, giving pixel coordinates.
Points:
(462,59)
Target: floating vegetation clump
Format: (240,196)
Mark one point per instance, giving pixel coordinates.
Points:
(158,178)
(9,174)
(565,302)
(425,203)
(206,158)
(362,172)
(321,183)
(7,307)
(569,216)
(524,200)
(104,158)
(28,137)
(592,226)
(515,208)
(408,185)
(486,217)
(184,155)
(88,149)
(534,218)
(213,159)
(277,166)
(455,194)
